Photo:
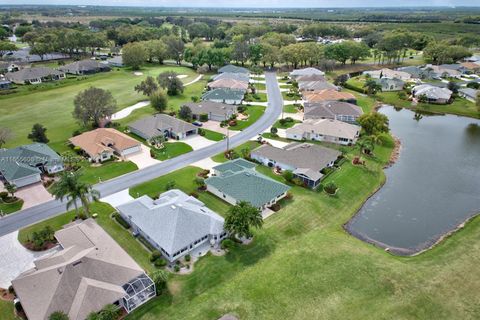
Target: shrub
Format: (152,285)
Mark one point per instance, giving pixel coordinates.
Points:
(473,85)
(289,196)
(3,195)
(194,194)
(227,244)
(402,95)
(273,130)
(276,207)
(155,256)
(160,263)
(330,188)
(176,268)
(298,182)
(188,258)
(241,109)
(287,175)
(121,221)
(232,123)
(82,216)
(203,117)
(201,132)
(170,185)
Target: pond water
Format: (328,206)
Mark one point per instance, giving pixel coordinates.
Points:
(432,188)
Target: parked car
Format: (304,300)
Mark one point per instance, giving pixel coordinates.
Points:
(198,124)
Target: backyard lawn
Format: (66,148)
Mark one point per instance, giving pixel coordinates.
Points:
(254,112)
(171,150)
(53,106)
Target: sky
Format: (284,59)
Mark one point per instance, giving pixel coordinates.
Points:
(254,3)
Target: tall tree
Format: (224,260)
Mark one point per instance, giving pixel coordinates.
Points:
(159,277)
(176,48)
(134,55)
(147,86)
(241,218)
(373,123)
(6,46)
(93,105)
(185,113)
(159,101)
(38,134)
(169,80)
(5,135)
(58,315)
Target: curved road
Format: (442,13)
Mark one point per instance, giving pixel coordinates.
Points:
(52,208)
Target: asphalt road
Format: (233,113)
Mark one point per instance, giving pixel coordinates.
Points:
(52,208)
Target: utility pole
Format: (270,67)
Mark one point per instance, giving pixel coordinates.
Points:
(228,133)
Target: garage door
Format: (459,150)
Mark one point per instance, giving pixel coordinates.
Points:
(132,150)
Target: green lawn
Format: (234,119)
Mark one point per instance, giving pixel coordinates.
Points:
(258,97)
(290,108)
(254,112)
(171,150)
(249,144)
(286,125)
(7,208)
(459,106)
(260,86)
(213,135)
(365,102)
(288,98)
(108,170)
(6,311)
(52,106)
(184,180)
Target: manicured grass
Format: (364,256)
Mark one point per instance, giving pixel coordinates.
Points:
(7,208)
(254,112)
(184,180)
(260,86)
(108,170)
(171,150)
(249,144)
(364,101)
(258,97)
(7,311)
(52,106)
(290,108)
(213,135)
(122,236)
(286,97)
(459,106)
(286,125)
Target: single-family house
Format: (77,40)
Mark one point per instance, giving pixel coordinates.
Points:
(230,68)
(315,85)
(10,66)
(445,71)
(469,94)
(215,111)
(328,95)
(116,61)
(420,73)
(388,73)
(162,124)
(175,224)
(88,272)
(243,77)
(305,160)
(305,72)
(471,67)
(102,143)
(5,84)
(225,95)
(327,130)
(228,84)
(334,110)
(34,75)
(454,66)
(432,94)
(24,165)
(237,180)
(84,67)
(390,84)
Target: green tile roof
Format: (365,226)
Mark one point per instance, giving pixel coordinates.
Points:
(241,182)
(224,94)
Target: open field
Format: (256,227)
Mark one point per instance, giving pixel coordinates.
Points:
(53,106)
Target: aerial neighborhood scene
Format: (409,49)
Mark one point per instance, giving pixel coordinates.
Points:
(251,160)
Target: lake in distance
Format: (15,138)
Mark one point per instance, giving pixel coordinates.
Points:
(432,188)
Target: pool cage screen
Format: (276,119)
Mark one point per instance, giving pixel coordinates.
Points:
(139,291)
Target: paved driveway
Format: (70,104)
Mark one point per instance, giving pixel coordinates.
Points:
(143,159)
(118,198)
(33,195)
(15,258)
(197,142)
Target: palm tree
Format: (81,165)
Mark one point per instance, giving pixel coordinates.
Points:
(241,218)
(11,188)
(70,187)
(372,86)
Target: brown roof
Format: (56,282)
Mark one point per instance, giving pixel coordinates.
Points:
(103,139)
(83,277)
(228,83)
(327,94)
(311,77)
(471,65)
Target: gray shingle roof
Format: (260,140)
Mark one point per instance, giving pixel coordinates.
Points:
(307,158)
(23,161)
(173,221)
(330,109)
(32,73)
(316,85)
(156,124)
(229,75)
(212,107)
(224,94)
(246,184)
(87,65)
(230,68)
(306,72)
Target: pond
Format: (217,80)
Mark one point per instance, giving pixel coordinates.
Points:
(432,188)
